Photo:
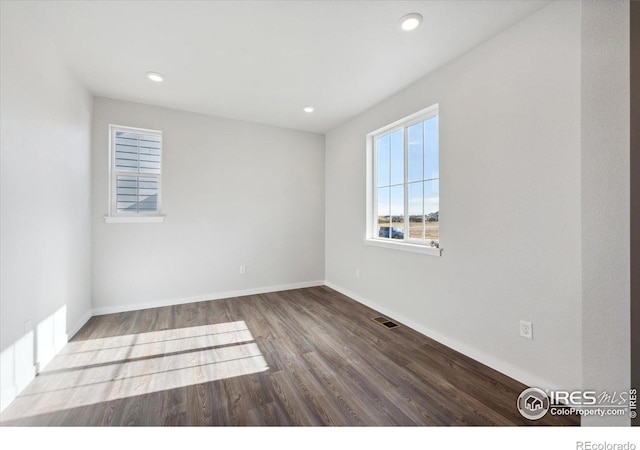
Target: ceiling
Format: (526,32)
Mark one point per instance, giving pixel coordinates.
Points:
(263,61)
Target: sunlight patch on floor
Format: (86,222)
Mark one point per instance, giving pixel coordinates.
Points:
(133,347)
(105,369)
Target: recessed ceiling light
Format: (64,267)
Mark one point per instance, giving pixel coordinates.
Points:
(308,109)
(410,21)
(155,76)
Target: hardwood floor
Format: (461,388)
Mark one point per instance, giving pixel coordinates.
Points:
(301,357)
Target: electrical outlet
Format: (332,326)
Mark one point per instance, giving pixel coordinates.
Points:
(526,329)
(357,273)
(243,270)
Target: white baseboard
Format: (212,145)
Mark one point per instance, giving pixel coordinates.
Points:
(17,369)
(204,297)
(488,360)
(7,395)
(71,331)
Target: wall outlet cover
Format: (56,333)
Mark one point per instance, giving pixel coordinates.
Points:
(526,329)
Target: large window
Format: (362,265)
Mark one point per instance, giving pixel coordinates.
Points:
(136,172)
(404,183)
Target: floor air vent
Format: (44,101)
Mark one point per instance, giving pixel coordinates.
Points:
(385,322)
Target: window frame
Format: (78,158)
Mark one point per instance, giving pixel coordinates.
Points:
(113,215)
(371,237)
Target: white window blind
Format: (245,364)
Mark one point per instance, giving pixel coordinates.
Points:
(136,171)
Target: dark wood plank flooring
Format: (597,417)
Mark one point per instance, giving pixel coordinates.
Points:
(301,357)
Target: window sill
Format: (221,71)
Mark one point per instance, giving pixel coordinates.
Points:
(134,219)
(406,247)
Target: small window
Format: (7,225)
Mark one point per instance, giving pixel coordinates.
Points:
(136,172)
(404,182)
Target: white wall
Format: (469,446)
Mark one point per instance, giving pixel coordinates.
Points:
(605,200)
(510,204)
(234,193)
(45,228)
